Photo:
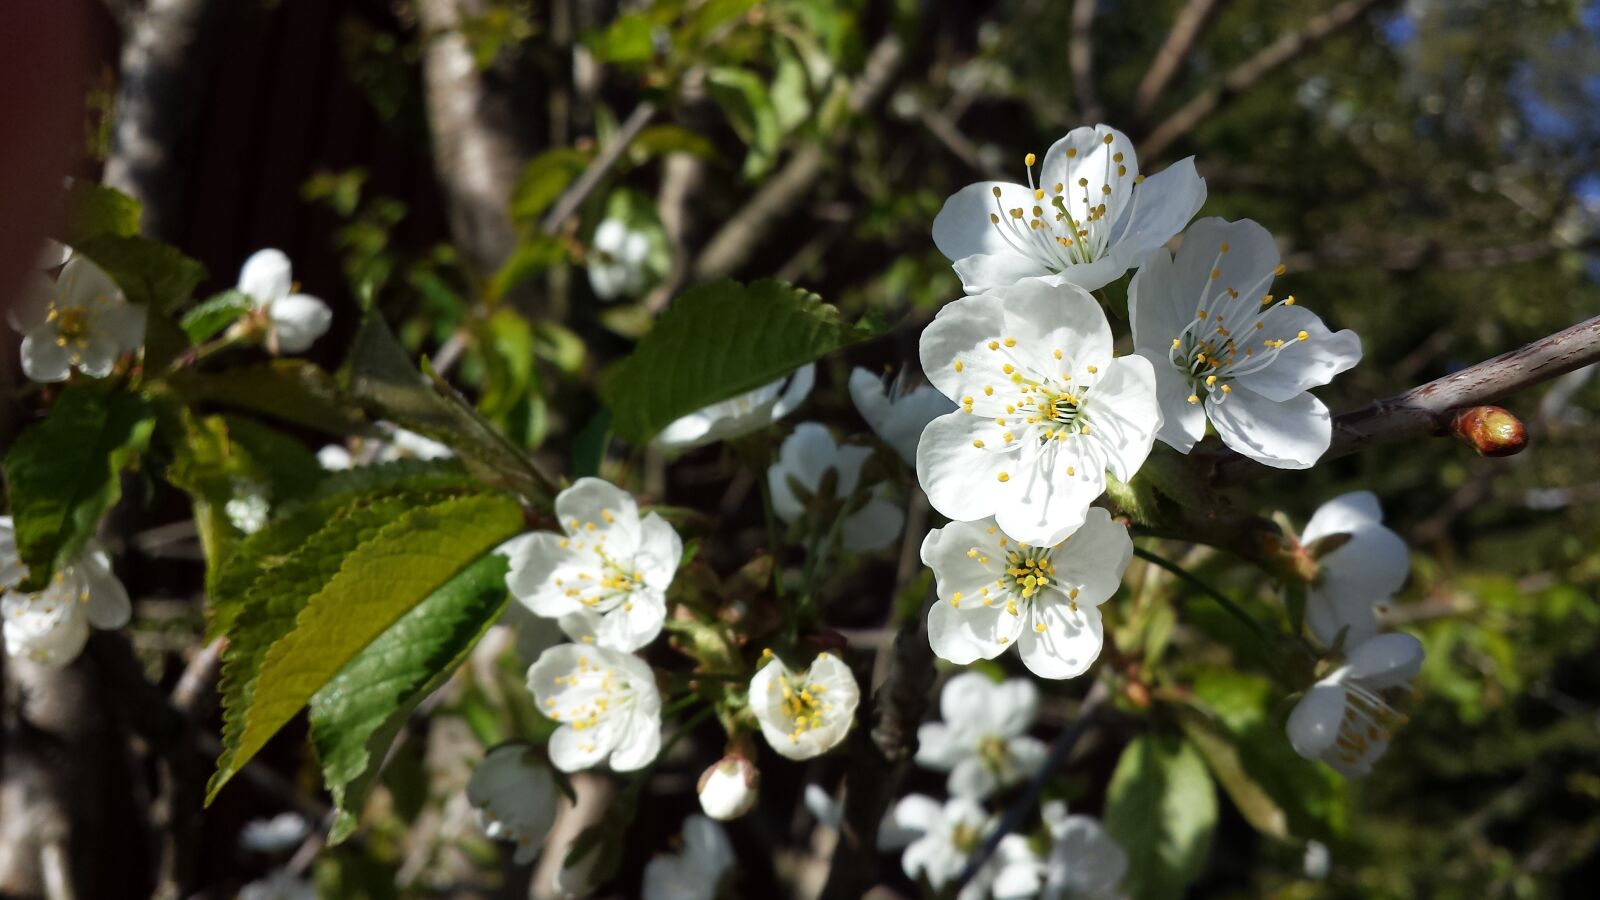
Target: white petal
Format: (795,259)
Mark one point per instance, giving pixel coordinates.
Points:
(1085,860)
(1302,364)
(574,751)
(660,551)
(1094,558)
(640,743)
(1164,203)
(1289,435)
(82,283)
(42,359)
(1156,313)
(1344,514)
(965,700)
(956,475)
(1386,660)
(806,455)
(972,778)
(1314,723)
(298,320)
(982,272)
(874,526)
(108,605)
(1126,413)
(1043,508)
(795,391)
(1367,570)
(971,632)
(961,334)
(962,228)
(1069,644)
(1092,160)
(938,747)
(918,812)
(1014,705)
(536,564)
(595,507)
(266,276)
(871,398)
(98,356)
(1183,424)
(685,432)
(633,625)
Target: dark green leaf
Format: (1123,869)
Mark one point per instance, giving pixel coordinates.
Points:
(659,140)
(214,314)
(63,474)
(716,341)
(151,273)
(543,180)
(746,102)
(1162,809)
(629,39)
(95,210)
(290,390)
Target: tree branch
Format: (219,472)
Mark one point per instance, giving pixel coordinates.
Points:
(1186,28)
(1268,60)
(580,189)
(1080,58)
(1426,409)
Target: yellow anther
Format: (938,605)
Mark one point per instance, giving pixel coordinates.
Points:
(959,365)
(1280,269)
(994,219)
(1004,477)
(1108,139)
(1083,182)
(1093,369)
(997,192)
(1011,342)
(1303,336)
(1029,160)
(994,345)
(978,444)
(1072,152)
(1193,399)
(1289,300)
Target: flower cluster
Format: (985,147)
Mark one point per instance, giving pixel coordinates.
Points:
(50,626)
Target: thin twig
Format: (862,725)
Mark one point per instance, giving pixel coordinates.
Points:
(1242,77)
(580,189)
(1018,811)
(1189,578)
(1180,41)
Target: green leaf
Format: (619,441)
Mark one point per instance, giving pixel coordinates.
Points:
(543,180)
(355,717)
(214,314)
(378,582)
(1228,766)
(1162,810)
(629,38)
(151,273)
(63,474)
(505,342)
(659,140)
(716,341)
(746,102)
(534,253)
(95,210)
(295,391)
(380,374)
(1313,797)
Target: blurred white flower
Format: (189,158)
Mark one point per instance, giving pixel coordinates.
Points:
(1089,218)
(1046,409)
(606,702)
(283,831)
(248,512)
(1085,862)
(1345,719)
(1366,569)
(396,444)
(729,787)
(618,261)
(805,714)
(948,833)
(515,796)
(895,413)
(1317,860)
(1225,348)
(696,872)
(607,575)
(51,626)
(279,885)
(295,320)
(738,416)
(807,456)
(995,592)
(78,320)
(983,741)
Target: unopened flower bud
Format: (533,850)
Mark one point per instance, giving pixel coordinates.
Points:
(1491,430)
(728,788)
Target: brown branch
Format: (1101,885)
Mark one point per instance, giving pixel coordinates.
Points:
(880,751)
(580,189)
(1426,410)
(1242,77)
(1080,59)
(741,234)
(1186,28)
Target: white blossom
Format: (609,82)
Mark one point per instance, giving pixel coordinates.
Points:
(949,833)
(729,787)
(805,714)
(738,416)
(51,626)
(282,832)
(606,702)
(1045,412)
(296,320)
(1086,220)
(396,444)
(78,320)
(606,575)
(618,261)
(807,456)
(1346,718)
(995,592)
(1227,349)
(897,413)
(1317,860)
(1085,862)
(983,741)
(280,884)
(516,797)
(696,872)
(1367,569)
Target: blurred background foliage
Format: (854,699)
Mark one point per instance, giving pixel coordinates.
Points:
(1430,168)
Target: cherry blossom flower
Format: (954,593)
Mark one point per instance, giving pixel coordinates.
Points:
(618,261)
(1086,220)
(296,319)
(516,797)
(79,320)
(51,626)
(606,702)
(280,833)
(1227,349)
(949,833)
(606,575)
(697,872)
(728,789)
(1360,571)
(805,714)
(897,413)
(397,443)
(806,457)
(1083,862)
(995,592)
(983,741)
(1346,718)
(1045,412)
(738,416)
